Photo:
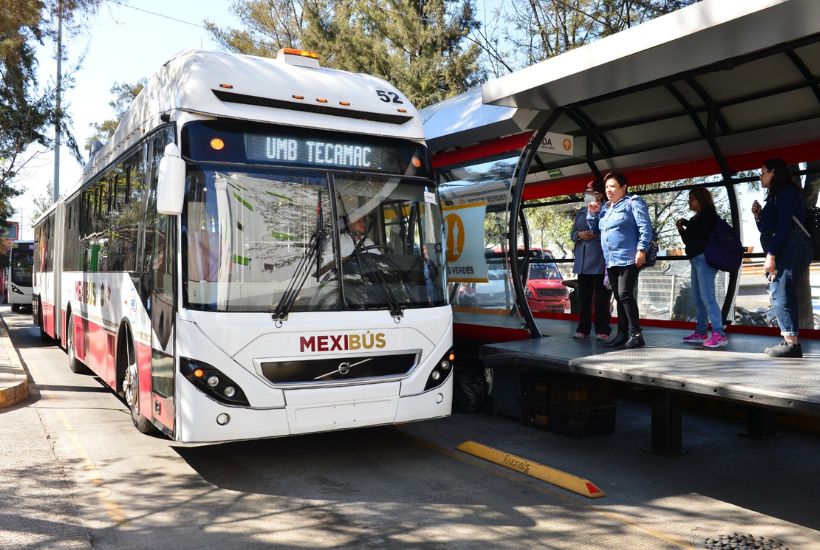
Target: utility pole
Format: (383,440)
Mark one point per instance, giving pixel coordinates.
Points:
(56,191)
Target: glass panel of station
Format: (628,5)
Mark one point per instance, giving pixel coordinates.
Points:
(664,291)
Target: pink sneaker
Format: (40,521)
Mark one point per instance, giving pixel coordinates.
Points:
(695,338)
(717,340)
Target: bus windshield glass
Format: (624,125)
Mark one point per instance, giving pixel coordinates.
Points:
(280,240)
(22,261)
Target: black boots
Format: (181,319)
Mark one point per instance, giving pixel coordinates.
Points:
(635,341)
(621,339)
(618,340)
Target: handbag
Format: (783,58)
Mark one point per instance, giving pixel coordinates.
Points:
(723,250)
(812,229)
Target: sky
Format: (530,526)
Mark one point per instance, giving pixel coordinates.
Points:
(119,44)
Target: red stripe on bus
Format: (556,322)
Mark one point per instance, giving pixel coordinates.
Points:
(47,311)
(144,376)
(163,410)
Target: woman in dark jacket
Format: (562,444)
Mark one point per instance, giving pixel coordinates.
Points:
(788,249)
(695,232)
(589,267)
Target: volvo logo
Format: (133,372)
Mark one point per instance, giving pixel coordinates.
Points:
(343,369)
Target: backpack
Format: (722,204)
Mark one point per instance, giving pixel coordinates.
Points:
(723,251)
(812,229)
(652,253)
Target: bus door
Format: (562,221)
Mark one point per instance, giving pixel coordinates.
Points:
(161,312)
(159,293)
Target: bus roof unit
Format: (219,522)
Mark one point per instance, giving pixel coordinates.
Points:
(292,90)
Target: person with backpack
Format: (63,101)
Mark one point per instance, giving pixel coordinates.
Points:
(788,249)
(589,267)
(626,236)
(695,232)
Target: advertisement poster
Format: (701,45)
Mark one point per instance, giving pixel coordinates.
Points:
(465,242)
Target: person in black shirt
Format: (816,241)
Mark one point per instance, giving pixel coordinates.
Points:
(695,232)
(788,249)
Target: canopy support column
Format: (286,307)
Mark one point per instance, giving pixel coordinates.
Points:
(519,178)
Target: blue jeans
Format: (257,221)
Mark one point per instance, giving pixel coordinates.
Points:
(703,292)
(791,263)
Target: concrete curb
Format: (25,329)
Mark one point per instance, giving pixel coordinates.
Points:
(15,384)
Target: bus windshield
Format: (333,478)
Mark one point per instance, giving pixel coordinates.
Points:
(270,239)
(22,261)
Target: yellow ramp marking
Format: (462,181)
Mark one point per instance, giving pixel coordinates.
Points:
(561,479)
(94,477)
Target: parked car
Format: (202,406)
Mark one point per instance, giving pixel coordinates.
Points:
(496,292)
(545,289)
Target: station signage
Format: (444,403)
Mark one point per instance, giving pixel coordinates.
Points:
(557,144)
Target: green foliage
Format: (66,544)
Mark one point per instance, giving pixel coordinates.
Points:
(23,116)
(27,113)
(417,46)
(551,228)
(123,93)
(535,30)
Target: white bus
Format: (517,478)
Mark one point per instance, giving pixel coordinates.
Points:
(21,260)
(256,252)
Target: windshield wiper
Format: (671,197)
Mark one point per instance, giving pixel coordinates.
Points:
(375,273)
(300,275)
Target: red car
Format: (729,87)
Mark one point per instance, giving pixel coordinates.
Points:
(545,289)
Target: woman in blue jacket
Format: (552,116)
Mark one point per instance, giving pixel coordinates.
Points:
(626,233)
(788,249)
(589,267)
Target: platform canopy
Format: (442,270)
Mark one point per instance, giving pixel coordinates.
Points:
(714,79)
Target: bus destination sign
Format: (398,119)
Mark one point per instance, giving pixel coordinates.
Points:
(319,152)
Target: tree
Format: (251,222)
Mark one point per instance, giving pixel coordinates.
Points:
(535,30)
(43,202)
(124,93)
(419,46)
(553,227)
(27,112)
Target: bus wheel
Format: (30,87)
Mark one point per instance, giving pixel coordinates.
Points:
(73,363)
(44,337)
(131,391)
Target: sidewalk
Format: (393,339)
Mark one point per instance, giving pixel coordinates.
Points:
(13,379)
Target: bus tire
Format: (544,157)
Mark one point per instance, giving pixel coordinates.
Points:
(44,337)
(74,364)
(131,386)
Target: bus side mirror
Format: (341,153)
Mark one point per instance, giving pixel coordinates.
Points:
(171,182)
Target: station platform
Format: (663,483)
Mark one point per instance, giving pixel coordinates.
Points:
(739,372)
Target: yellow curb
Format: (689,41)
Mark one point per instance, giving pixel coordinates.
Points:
(576,484)
(14,394)
(18,392)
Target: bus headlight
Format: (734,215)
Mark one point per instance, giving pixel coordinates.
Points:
(212,382)
(439,373)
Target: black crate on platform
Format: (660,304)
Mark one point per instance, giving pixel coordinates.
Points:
(535,400)
(506,393)
(581,406)
(582,421)
(576,392)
